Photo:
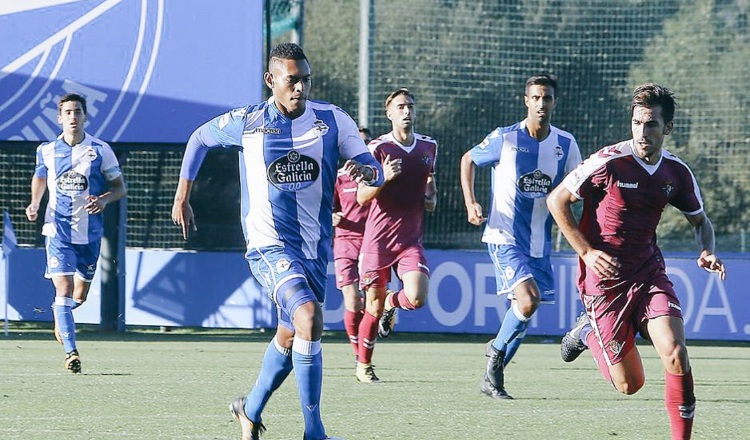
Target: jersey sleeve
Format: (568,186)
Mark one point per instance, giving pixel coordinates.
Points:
(574,156)
(40,169)
(110,166)
(488,151)
(688,199)
(351,144)
(227,129)
(588,174)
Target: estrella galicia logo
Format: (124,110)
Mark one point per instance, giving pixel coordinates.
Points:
(119,42)
(293,172)
(72,183)
(535,184)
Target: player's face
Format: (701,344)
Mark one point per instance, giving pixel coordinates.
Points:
(649,131)
(540,101)
(402,113)
(71,117)
(290,82)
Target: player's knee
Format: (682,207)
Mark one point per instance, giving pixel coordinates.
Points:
(676,360)
(308,321)
(628,385)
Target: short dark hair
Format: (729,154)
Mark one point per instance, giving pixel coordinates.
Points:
(397,92)
(71,97)
(366,131)
(541,80)
(650,95)
(288,51)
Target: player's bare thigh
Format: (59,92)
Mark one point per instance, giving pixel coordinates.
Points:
(667,334)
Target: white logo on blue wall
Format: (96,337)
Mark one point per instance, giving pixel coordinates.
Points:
(122,37)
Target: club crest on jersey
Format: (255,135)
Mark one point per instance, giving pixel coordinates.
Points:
(283,265)
(320,127)
(668,188)
(91,154)
(426,159)
(535,184)
(293,172)
(559,153)
(72,183)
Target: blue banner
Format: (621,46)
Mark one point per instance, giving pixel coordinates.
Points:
(207,289)
(151,70)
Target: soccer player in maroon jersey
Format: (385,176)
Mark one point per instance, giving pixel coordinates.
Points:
(395,226)
(622,277)
(349,219)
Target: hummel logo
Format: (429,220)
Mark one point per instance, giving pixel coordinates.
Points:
(627,185)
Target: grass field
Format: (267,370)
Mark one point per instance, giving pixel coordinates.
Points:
(149,385)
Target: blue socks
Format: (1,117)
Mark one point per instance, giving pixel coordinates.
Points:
(63,310)
(307,357)
(276,366)
(514,325)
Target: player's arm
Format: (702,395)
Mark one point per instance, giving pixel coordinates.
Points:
(473,208)
(391,169)
(560,203)
(38,187)
(115,192)
(430,194)
(704,235)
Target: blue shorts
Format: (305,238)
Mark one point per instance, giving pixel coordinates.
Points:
(68,259)
(513,267)
(276,270)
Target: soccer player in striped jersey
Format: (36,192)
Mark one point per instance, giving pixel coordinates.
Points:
(395,226)
(83,176)
(622,278)
(289,152)
(528,160)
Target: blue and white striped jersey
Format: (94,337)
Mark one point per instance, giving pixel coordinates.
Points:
(524,172)
(288,168)
(73,174)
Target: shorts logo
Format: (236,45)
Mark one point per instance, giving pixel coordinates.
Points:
(673,306)
(283,265)
(509,273)
(72,183)
(54,263)
(293,172)
(615,347)
(46,66)
(535,184)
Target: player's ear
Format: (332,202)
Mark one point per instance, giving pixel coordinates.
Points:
(268,78)
(668,128)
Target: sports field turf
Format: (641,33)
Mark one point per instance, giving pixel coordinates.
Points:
(149,385)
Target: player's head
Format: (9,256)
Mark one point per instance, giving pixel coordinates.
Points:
(71,113)
(289,77)
(365,134)
(540,98)
(399,109)
(72,97)
(652,110)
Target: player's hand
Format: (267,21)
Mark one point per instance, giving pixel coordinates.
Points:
(182,215)
(358,172)
(475,214)
(713,264)
(337,216)
(95,205)
(604,265)
(391,168)
(32,211)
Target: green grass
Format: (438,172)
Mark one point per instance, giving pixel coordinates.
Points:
(144,384)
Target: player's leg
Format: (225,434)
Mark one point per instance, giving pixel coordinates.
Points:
(347,280)
(411,265)
(665,328)
(368,328)
(516,320)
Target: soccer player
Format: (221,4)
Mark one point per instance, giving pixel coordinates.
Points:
(528,159)
(395,226)
(289,150)
(622,278)
(83,176)
(365,134)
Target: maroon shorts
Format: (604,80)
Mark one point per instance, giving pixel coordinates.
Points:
(376,267)
(617,315)
(346,260)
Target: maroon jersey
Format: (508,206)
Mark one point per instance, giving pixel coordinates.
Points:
(345,202)
(623,199)
(396,218)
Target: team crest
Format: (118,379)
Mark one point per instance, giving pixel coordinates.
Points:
(91,154)
(425,159)
(283,265)
(559,152)
(668,188)
(320,127)
(615,347)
